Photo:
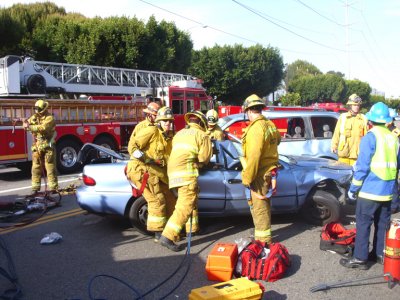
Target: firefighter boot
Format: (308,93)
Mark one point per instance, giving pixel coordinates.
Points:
(166,242)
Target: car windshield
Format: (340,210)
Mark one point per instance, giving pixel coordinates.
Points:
(223,121)
(285,158)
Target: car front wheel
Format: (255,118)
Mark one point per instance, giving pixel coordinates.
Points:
(138,215)
(321,208)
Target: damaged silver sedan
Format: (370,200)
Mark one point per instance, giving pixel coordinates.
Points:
(314,187)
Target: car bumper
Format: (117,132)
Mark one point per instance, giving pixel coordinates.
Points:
(96,202)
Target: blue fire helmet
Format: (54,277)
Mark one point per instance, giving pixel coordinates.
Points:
(379,113)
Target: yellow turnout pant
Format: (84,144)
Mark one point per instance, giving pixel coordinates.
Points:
(186,202)
(261,210)
(159,198)
(44,161)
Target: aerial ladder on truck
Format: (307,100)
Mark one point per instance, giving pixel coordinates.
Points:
(26,76)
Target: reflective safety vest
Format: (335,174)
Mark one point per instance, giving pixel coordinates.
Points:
(384,161)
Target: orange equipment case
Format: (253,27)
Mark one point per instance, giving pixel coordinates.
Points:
(221,261)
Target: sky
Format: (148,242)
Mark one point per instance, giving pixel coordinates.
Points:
(355,37)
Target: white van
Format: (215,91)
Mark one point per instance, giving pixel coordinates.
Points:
(303,132)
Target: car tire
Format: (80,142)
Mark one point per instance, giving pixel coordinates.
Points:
(321,208)
(138,215)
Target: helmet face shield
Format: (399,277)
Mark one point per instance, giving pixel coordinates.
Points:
(41,106)
(212,117)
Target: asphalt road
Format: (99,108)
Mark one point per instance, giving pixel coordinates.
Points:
(93,246)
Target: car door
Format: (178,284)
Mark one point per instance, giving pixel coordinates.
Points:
(285,198)
(212,185)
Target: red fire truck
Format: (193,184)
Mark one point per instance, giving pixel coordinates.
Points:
(330,106)
(234,109)
(90,104)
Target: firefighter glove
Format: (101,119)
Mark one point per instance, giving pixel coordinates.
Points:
(137,154)
(352,196)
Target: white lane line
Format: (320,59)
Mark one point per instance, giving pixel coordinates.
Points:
(28,187)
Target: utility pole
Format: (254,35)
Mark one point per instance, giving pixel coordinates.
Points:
(347,38)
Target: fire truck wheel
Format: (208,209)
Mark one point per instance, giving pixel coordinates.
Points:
(67,156)
(321,208)
(138,215)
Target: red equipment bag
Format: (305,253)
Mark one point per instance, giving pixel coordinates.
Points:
(335,237)
(269,268)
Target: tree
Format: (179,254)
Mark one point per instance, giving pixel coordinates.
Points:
(319,88)
(340,74)
(11,33)
(45,32)
(290,99)
(234,72)
(24,18)
(360,88)
(298,69)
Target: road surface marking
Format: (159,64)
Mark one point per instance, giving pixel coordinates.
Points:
(45,219)
(28,187)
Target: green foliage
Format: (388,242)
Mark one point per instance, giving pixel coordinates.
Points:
(360,88)
(290,99)
(11,33)
(45,32)
(298,69)
(234,72)
(24,18)
(319,88)
(340,74)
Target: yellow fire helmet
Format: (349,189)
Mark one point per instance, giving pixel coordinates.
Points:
(354,99)
(251,101)
(164,114)
(197,115)
(41,105)
(212,117)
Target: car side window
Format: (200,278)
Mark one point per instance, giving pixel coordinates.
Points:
(296,128)
(323,127)
(231,157)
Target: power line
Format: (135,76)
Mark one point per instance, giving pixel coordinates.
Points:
(222,31)
(325,17)
(200,23)
(291,31)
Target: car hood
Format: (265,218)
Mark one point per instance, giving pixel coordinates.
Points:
(307,161)
(86,148)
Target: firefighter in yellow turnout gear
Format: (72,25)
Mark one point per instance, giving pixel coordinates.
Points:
(191,149)
(214,131)
(349,130)
(260,150)
(151,147)
(43,128)
(151,114)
